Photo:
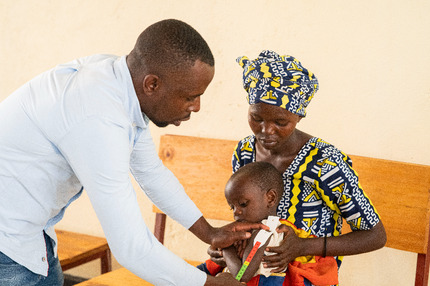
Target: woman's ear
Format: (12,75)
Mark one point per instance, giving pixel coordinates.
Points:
(150,83)
(272,197)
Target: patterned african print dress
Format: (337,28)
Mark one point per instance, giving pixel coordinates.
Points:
(320,188)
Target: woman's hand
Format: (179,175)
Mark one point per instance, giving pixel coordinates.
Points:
(292,246)
(289,249)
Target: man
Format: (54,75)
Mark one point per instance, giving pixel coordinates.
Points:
(84,124)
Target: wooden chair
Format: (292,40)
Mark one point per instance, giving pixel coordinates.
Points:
(400,192)
(75,249)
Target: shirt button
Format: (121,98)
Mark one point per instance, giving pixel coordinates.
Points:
(134,124)
(43,259)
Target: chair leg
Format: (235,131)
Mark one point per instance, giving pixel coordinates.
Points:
(422,273)
(160,226)
(106,262)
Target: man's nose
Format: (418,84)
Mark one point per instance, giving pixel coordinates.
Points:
(195,106)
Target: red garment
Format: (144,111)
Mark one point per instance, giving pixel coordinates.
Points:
(323,272)
(213,268)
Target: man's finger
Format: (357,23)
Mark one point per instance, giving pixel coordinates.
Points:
(248,226)
(232,238)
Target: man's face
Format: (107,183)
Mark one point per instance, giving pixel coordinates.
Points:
(179,94)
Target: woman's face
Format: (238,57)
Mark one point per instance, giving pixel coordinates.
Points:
(271,125)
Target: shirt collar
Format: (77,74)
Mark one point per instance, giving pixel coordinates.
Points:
(131,102)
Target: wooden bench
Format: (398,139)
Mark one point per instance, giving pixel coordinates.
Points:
(75,249)
(400,192)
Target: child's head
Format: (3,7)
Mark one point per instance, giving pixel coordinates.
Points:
(254,191)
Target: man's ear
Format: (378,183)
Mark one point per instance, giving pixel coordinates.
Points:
(272,196)
(150,83)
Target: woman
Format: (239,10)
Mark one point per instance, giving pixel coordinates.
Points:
(320,186)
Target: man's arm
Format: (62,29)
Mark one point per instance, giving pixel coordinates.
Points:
(160,184)
(99,153)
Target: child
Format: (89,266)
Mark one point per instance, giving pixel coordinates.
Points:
(253,193)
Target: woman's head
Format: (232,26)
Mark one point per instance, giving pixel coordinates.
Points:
(278,80)
(253,192)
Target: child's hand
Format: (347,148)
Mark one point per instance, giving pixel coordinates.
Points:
(217,256)
(240,246)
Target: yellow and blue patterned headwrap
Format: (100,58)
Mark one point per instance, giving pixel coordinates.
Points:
(278,80)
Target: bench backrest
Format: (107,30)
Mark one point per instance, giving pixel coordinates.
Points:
(400,191)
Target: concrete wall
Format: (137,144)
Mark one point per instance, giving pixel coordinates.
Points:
(371,59)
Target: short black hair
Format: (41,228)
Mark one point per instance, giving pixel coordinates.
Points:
(168,45)
(263,174)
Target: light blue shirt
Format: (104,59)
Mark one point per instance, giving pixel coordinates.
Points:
(79,125)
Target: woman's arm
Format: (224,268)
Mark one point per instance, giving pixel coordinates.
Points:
(355,242)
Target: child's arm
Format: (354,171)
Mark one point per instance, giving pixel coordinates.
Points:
(256,260)
(232,260)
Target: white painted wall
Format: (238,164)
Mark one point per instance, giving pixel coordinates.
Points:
(371,58)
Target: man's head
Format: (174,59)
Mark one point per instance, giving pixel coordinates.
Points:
(254,191)
(171,65)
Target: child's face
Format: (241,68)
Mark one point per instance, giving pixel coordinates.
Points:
(248,202)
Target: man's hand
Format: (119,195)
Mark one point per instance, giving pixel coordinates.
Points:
(222,279)
(224,236)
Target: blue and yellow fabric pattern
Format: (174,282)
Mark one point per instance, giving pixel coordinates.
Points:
(278,80)
(320,189)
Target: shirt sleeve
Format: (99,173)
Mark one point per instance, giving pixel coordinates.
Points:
(243,153)
(343,193)
(159,183)
(98,151)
